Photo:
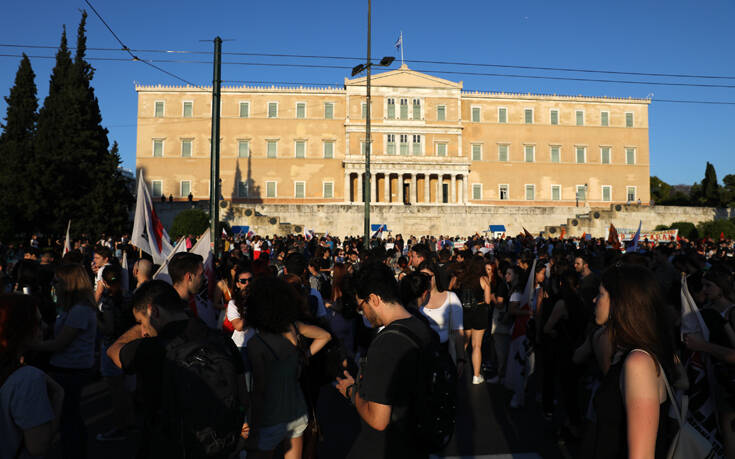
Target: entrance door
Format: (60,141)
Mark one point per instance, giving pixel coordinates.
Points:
(445,193)
(406,193)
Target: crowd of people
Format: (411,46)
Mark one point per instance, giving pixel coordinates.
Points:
(597,335)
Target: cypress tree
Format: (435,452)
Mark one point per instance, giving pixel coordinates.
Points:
(710,187)
(16,149)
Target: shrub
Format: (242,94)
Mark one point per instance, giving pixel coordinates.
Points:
(686,229)
(660,228)
(190,221)
(713,229)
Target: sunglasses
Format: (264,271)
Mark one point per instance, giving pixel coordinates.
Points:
(244,280)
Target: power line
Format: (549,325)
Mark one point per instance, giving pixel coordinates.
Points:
(417,61)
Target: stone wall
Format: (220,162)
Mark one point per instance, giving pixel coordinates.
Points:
(342,219)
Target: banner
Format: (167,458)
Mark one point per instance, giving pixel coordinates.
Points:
(520,354)
(652,236)
(203,302)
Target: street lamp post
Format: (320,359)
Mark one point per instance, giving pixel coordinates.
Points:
(384,62)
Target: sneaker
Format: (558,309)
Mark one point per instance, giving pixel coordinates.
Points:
(113,434)
(478,380)
(494,380)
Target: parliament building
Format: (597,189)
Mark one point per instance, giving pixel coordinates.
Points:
(433,144)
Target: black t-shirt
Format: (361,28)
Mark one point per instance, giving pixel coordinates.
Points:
(390,377)
(589,287)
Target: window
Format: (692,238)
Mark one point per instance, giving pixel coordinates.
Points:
(363,110)
(328,149)
(417,109)
(158,148)
(299,189)
(159,109)
(243,148)
(529,153)
(630,193)
(390,147)
(186,149)
(502,152)
(606,193)
(476,152)
(416,144)
(156,188)
(502,115)
(528,115)
(272,109)
(301,110)
(604,118)
(630,156)
(404,144)
(582,192)
(185,188)
(441,113)
(556,192)
(328,110)
(242,189)
(605,155)
(391,108)
(555,155)
(477,191)
(244,109)
(530,192)
(404,109)
(628,119)
(272,148)
(475,114)
(441,149)
(580,117)
(188,113)
(503,192)
(328,190)
(581,153)
(300,149)
(554,117)
(270,189)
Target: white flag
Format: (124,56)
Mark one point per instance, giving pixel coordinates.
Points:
(148,231)
(67,241)
(125,272)
(162,273)
(691,318)
(203,304)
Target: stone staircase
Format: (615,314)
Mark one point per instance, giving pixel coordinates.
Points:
(595,222)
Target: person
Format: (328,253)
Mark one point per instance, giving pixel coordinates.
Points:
(630,401)
(444,311)
(187,274)
(419,253)
(279,410)
(237,312)
(385,395)
(342,310)
(72,352)
(100,260)
(142,271)
(171,354)
(589,283)
(475,293)
(30,401)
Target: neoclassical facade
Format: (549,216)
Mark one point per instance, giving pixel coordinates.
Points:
(433,143)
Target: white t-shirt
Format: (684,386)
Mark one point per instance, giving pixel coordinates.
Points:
(24,404)
(446,317)
(240,337)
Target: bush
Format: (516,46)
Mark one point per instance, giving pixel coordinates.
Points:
(190,221)
(686,229)
(714,228)
(660,228)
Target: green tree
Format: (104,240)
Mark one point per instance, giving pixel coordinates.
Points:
(710,187)
(686,229)
(727,193)
(190,221)
(16,149)
(714,228)
(660,190)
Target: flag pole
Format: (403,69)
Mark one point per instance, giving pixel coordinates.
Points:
(402,48)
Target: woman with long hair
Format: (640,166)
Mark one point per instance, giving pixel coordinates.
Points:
(630,401)
(475,292)
(342,310)
(72,351)
(224,289)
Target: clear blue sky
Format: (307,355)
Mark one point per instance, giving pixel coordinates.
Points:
(681,37)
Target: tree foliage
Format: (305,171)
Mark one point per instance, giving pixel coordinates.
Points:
(190,221)
(686,229)
(715,228)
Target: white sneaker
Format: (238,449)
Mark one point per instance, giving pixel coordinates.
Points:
(478,379)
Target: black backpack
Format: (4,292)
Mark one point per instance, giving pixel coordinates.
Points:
(436,394)
(467,298)
(202,393)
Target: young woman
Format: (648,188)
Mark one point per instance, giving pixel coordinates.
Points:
(630,401)
(224,290)
(72,352)
(279,409)
(237,312)
(475,293)
(444,311)
(342,310)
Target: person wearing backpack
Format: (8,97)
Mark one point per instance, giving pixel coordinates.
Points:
(387,390)
(191,376)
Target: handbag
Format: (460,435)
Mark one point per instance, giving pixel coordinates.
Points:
(688,443)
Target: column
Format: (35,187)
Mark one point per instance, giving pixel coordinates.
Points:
(427,194)
(358,192)
(465,188)
(346,192)
(453,190)
(438,194)
(373,187)
(386,187)
(400,188)
(414,193)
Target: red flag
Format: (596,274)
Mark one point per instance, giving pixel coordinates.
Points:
(563,231)
(613,238)
(584,235)
(722,235)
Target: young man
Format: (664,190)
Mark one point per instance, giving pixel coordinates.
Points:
(142,271)
(589,283)
(184,411)
(187,274)
(100,259)
(385,392)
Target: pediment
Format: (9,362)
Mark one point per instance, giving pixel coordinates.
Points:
(405,78)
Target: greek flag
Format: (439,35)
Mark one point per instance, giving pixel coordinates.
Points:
(399,42)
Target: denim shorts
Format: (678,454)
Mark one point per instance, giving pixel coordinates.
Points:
(271,436)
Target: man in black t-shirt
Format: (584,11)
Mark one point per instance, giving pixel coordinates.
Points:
(385,392)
